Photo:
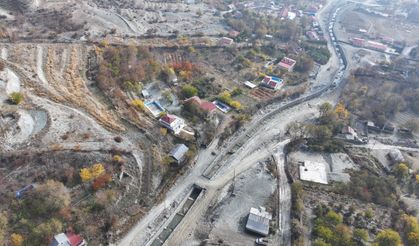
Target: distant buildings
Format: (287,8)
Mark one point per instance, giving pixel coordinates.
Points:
(284,12)
(68,239)
(311,10)
(376,45)
(258,221)
(272,82)
(178,152)
(291,15)
(380,128)
(312,35)
(173,123)
(387,40)
(313,172)
(360,42)
(287,64)
(233,34)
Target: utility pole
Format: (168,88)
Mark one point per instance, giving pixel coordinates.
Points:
(234,186)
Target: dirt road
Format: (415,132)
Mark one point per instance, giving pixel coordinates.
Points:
(284,213)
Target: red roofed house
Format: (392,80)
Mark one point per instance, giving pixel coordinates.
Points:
(272,82)
(206,106)
(224,41)
(376,45)
(312,35)
(68,239)
(358,42)
(172,122)
(284,12)
(287,64)
(233,34)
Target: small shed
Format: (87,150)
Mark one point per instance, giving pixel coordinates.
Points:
(396,156)
(178,152)
(250,84)
(258,221)
(145,93)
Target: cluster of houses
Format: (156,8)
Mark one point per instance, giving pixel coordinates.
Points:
(362,38)
(315,33)
(283,11)
(289,12)
(276,83)
(176,124)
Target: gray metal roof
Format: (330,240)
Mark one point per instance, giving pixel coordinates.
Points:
(178,152)
(60,240)
(258,221)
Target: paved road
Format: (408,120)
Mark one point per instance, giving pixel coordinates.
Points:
(261,131)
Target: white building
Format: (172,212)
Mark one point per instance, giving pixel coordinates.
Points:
(313,172)
(173,123)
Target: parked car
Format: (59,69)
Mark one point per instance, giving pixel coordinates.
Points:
(262,241)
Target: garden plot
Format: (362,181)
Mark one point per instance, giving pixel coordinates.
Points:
(340,164)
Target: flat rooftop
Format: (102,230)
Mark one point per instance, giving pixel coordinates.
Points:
(258,221)
(313,172)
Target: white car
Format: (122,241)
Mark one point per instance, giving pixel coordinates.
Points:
(262,241)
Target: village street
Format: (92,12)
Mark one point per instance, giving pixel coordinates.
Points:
(264,132)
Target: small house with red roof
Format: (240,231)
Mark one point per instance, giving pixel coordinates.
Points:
(272,82)
(204,105)
(233,34)
(284,12)
(358,42)
(173,123)
(287,64)
(225,41)
(68,239)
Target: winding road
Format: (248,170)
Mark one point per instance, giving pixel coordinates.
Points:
(258,141)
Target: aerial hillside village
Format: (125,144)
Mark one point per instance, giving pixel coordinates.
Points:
(209,122)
